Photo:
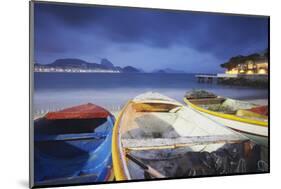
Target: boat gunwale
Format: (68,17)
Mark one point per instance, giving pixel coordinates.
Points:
(118,167)
(227,116)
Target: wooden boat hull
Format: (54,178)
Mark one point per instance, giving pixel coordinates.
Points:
(72,147)
(117,157)
(254,129)
(166,135)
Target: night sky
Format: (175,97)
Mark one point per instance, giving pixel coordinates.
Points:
(144,38)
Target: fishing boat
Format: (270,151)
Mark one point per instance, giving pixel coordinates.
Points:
(248,118)
(73,146)
(156,137)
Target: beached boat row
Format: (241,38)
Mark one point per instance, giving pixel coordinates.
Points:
(154,136)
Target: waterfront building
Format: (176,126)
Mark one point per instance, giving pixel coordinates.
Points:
(254,64)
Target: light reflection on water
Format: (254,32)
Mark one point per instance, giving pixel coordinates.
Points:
(53,92)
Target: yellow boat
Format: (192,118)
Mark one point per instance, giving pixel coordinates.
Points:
(232,113)
(156,137)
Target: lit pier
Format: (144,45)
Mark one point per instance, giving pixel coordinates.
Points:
(210,78)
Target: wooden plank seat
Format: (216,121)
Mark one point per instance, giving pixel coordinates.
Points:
(161,143)
(204,101)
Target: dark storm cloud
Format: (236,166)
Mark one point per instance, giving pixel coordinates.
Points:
(67,28)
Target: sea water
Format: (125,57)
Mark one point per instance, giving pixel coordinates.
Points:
(55,91)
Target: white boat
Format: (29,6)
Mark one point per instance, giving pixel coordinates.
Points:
(157,137)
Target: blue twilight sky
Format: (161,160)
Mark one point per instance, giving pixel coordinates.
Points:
(145,38)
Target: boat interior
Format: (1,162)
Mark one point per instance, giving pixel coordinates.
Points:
(66,147)
(69,138)
(169,139)
(233,107)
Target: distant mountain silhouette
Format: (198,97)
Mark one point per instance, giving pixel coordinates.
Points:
(74,63)
(130,69)
(106,63)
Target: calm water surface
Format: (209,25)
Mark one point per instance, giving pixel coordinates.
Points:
(53,91)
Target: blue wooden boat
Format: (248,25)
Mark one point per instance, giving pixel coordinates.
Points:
(73,146)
